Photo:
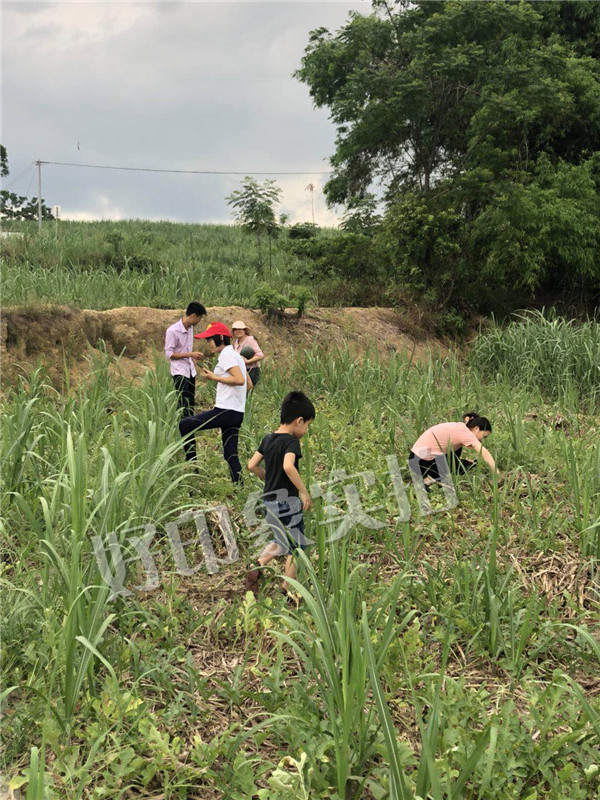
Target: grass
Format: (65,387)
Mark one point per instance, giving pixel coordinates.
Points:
(101,265)
(455,655)
(547,352)
(107,265)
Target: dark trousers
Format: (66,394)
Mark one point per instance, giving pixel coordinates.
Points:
(229,422)
(254,373)
(186,394)
(429,469)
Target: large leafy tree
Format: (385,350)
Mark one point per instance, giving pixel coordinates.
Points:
(478,119)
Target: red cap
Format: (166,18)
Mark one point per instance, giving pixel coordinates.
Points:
(214,329)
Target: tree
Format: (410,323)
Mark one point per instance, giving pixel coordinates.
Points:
(422,94)
(18,207)
(14,206)
(361,215)
(254,209)
(469,113)
(3,162)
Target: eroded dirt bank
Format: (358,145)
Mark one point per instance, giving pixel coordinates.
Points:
(59,335)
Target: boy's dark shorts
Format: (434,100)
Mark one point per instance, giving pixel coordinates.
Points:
(287,524)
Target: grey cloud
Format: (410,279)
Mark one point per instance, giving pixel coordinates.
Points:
(174,85)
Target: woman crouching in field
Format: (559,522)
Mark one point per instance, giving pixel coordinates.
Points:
(228,412)
(247,346)
(448,439)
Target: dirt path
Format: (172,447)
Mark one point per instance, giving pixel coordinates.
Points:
(59,335)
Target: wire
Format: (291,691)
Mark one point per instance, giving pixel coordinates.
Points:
(19,176)
(30,182)
(178,171)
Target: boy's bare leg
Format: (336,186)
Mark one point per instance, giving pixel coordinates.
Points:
(290,570)
(253,577)
(268,554)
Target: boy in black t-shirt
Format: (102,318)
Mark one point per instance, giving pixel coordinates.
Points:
(285,496)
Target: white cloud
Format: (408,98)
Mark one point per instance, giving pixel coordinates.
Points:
(297,201)
(102,208)
(72,27)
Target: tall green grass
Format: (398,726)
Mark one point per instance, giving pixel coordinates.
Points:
(330,645)
(65,495)
(544,351)
(447,656)
(106,265)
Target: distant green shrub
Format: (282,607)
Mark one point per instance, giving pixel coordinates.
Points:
(340,253)
(303,230)
(271,302)
(301,299)
(452,323)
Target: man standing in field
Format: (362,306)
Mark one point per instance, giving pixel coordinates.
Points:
(179,343)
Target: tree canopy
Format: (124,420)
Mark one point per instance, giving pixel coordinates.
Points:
(484,116)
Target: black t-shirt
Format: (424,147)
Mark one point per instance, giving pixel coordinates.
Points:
(273,449)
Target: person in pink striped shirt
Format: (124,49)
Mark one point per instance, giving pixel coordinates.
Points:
(445,439)
(179,343)
(242,339)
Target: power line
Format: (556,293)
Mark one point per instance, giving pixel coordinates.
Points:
(178,171)
(16,180)
(30,182)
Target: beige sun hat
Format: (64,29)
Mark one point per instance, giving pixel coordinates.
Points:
(238,324)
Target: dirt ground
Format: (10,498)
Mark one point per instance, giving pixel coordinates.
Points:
(55,336)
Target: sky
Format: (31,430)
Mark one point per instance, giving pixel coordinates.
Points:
(173,85)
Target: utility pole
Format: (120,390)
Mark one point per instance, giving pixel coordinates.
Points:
(311,188)
(39,166)
(56,215)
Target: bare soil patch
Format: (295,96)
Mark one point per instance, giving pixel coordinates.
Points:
(59,336)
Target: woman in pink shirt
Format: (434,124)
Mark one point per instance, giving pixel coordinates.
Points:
(243,339)
(446,439)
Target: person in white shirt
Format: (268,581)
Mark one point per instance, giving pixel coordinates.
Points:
(233,382)
(179,341)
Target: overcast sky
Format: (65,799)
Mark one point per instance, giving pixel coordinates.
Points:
(175,85)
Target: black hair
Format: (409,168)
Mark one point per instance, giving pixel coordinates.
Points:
(219,339)
(195,308)
(470,415)
(294,405)
(482,423)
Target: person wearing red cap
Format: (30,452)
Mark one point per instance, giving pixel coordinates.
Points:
(228,413)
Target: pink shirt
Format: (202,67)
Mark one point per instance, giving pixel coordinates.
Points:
(249,341)
(178,340)
(440,438)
